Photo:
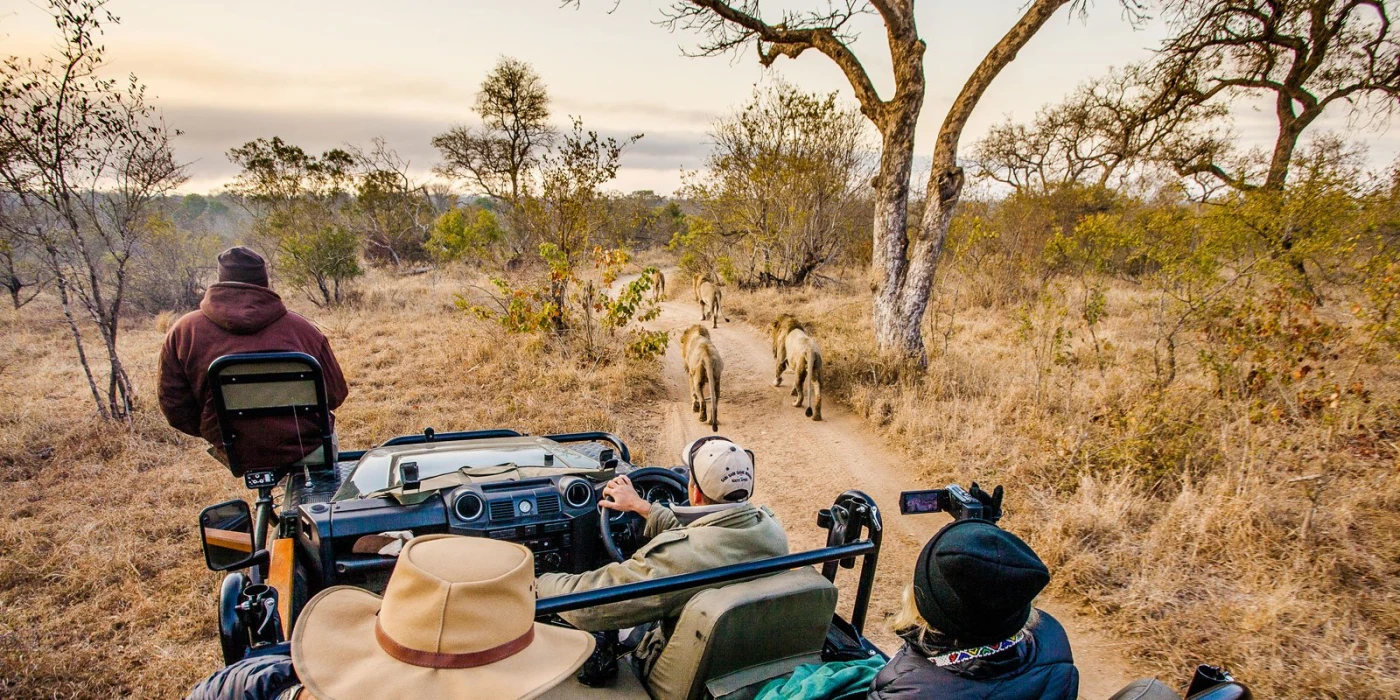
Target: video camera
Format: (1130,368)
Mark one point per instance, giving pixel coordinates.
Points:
(962,504)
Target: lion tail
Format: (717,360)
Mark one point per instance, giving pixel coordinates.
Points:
(814,382)
(712,369)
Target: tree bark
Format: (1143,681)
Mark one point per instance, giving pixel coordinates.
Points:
(904,273)
(894,331)
(72,322)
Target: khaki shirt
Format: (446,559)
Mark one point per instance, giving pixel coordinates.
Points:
(731,536)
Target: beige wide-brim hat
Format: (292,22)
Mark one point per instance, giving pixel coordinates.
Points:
(456,621)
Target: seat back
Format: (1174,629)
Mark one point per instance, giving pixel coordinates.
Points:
(251,389)
(732,637)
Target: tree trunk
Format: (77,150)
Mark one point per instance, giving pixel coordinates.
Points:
(1290,128)
(77,337)
(895,332)
(904,273)
(15,286)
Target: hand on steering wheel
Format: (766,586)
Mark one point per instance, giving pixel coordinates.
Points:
(627,502)
(624,497)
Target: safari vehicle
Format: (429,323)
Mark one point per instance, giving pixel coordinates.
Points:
(759,620)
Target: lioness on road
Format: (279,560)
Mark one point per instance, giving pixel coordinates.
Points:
(658,286)
(707,292)
(792,345)
(703,366)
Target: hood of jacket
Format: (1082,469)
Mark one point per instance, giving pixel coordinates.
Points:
(731,515)
(241,308)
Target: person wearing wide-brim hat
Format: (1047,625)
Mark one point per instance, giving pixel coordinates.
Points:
(457,620)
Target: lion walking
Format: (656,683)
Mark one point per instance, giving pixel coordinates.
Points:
(703,366)
(658,285)
(793,346)
(708,294)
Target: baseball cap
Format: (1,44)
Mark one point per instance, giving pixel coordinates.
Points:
(722,469)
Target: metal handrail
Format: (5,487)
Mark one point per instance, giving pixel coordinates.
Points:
(709,577)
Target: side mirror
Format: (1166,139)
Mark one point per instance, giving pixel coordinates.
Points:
(226,533)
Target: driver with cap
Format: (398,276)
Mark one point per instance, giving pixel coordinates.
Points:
(719,527)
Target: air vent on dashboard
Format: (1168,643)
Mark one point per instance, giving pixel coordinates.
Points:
(548,504)
(502,510)
(469,506)
(577,494)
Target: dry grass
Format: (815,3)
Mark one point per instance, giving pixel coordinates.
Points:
(1178,518)
(102,588)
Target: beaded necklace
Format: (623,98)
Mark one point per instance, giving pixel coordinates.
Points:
(962,655)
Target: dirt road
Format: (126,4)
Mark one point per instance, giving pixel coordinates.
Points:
(802,465)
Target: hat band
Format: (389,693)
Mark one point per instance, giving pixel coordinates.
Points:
(472,659)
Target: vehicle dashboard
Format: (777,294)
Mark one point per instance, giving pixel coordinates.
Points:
(555,515)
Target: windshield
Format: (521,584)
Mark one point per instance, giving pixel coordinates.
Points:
(378,469)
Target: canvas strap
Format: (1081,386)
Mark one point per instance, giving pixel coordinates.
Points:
(963,655)
(430,659)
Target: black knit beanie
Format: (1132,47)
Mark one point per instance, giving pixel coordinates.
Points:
(242,264)
(975,582)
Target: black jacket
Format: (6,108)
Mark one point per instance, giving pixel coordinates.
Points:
(264,676)
(1039,668)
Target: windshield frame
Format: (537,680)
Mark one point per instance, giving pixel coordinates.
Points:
(378,469)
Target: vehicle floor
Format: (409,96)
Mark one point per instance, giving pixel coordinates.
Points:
(802,465)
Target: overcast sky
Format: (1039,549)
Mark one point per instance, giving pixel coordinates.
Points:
(322,74)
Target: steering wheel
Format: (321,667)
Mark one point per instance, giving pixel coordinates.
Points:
(646,480)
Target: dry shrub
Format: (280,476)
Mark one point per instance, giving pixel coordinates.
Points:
(1197,525)
(103,591)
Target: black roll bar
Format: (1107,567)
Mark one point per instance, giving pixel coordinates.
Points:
(851,514)
(595,436)
(710,577)
(428,435)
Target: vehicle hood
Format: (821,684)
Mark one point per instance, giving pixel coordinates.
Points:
(241,308)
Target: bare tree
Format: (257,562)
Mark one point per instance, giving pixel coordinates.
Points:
(497,157)
(902,268)
(1094,137)
(394,212)
(90,161)
(21,267)
(1306,55)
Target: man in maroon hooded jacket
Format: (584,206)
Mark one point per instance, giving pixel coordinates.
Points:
(241,314)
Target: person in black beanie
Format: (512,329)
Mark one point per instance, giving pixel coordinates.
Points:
(969,627)
(240,314)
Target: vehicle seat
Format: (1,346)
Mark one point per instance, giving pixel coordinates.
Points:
(730,638)
(251,388)
(1146,689)
(1153,689)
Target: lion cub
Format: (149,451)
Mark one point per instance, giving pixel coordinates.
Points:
(707,292)
(703,366)
(791,344)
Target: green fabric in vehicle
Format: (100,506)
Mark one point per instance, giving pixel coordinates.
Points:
(837,680)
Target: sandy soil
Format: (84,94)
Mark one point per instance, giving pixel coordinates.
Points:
(802,465)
